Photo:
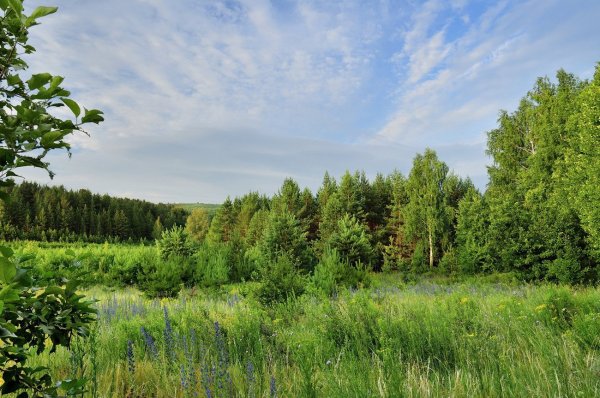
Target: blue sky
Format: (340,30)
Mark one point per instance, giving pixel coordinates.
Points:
(205,99)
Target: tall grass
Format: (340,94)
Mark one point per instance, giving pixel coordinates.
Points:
(392,340)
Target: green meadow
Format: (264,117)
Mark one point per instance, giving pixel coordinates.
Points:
(482,337)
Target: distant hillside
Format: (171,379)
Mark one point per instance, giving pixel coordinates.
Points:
(211,208)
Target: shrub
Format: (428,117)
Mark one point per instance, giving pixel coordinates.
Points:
(163,278)
(212,265)
(350,240)
(285,236)
(280,280)
(174,242)
(332,272)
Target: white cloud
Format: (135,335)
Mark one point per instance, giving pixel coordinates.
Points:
(209,98)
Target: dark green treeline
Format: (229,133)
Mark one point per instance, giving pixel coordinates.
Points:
(56,214)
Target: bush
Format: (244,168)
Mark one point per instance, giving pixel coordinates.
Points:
(212,265)
(285,236)
(164,278)
(351,241)
(174,242)
(280,281)
(332,272)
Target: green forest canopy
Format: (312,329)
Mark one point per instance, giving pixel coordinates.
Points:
(539,216)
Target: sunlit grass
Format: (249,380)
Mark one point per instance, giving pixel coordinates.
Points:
(422,339)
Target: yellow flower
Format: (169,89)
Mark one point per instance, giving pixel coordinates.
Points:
(464,300)
(540,307)
(1,381)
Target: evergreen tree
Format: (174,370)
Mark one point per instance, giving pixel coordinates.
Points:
(351,242)
(284,236)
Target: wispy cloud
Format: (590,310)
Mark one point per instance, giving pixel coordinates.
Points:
(209,98)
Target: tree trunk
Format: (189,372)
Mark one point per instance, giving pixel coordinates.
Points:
(430,249)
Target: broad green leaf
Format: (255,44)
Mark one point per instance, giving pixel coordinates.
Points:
(38,80)
(92,116)
(6,251)
(7,270)
(42,11)
(55,82)
(9,295)
(13,80)
(3,4)
(4,333)
(51,137)
(53,290)
(1,306)
(73,106)
(16,5)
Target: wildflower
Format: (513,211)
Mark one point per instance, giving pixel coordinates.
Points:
(223,374)
(150,345)
(250,372)
(168,335)
(130,359)
(540,307)
(273,387)
(464,300)
(328,363)
(183,376)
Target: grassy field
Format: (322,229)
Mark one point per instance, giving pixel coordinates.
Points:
(211,208)
(475,339)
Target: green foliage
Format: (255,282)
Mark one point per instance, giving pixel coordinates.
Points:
(285,236)
(223,223)
(581,181)
(535,222)
(174,242)
(425,215)
(32,317)
(213,264)
(351,242)
(36,318)
(330,215)
(288,199)
(333,273)
(280,280)
(157,229)
(197,224)
(471,233)
(57,214)
(164,277)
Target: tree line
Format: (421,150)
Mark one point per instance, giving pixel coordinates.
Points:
(539,216)
(37,212)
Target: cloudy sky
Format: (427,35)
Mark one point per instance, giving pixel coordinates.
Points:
(205,99)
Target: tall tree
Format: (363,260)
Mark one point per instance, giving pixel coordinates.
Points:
(581,175)
(425,215)
(197,224)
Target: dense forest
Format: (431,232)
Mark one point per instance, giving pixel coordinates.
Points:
(539,216)
(56,214)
